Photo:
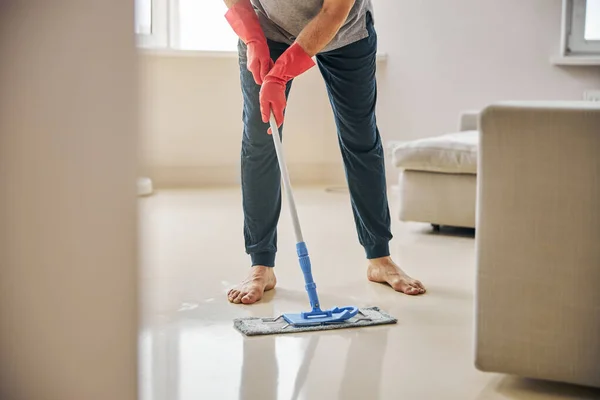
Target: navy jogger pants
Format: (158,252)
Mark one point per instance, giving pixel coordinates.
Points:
(349,74)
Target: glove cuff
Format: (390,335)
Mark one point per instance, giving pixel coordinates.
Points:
(243,20)
(292,63)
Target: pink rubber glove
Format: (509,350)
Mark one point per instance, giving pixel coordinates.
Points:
(293,62)
(243,20)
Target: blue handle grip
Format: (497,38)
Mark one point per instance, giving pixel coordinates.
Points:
(311,287)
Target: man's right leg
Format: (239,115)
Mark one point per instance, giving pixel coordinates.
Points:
(261,188)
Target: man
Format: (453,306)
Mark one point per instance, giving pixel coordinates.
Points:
(278,39)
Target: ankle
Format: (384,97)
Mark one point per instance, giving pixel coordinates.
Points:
(387,260)
(261,270)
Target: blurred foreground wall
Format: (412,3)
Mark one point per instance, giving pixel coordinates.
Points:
(68,167)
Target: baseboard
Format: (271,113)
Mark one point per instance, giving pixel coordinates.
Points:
(229,175)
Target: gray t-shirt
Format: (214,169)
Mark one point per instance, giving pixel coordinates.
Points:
(282,20)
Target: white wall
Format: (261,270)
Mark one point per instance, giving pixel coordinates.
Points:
(68,168)
(446,56)
(443,57)
(192,122)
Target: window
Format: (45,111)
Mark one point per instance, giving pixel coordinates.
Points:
(201,25)
(581,23)
(143,17)
(193,25)
(592,20)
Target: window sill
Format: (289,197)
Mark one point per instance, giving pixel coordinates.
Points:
(170,53)
(576,60)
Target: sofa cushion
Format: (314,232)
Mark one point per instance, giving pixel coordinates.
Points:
(453,153)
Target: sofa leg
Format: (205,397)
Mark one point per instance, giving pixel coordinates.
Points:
(436,228)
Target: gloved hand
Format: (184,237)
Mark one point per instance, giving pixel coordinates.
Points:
(293,62)
(242,18)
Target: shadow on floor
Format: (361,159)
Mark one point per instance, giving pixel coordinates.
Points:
(451,231)
(516,388)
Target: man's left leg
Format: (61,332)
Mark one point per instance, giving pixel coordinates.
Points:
(349,75)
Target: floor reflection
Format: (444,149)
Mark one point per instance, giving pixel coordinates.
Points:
(260,370)
(356,384)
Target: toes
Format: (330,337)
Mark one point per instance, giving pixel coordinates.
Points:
(407,288)
(418,284)
(246,294)
(401,286)
(248,299)
(252,297)
(238,298)
(418,289)
(411,290)
(232,294)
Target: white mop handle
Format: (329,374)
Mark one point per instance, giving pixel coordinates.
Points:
(286,179)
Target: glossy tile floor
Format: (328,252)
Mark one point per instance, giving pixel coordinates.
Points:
(192,252)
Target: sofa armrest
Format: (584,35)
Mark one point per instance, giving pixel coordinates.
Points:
(538,241)
(468,121)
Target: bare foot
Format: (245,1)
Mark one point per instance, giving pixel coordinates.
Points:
(260,280)
(384,270)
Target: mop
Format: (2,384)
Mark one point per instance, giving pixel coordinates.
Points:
(316,319)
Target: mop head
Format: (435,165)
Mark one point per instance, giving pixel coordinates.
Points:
(253,326)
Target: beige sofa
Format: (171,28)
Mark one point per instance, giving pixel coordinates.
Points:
(538,242)
(438,176)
